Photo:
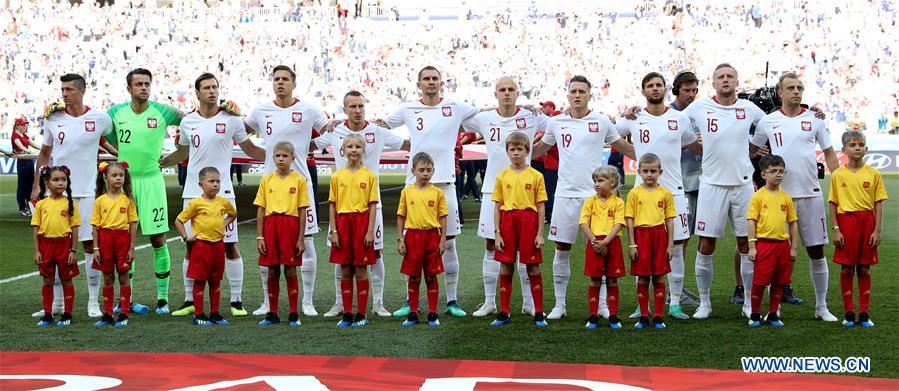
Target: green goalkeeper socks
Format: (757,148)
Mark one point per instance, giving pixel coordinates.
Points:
(162,265)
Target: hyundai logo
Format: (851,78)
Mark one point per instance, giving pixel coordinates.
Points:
(878,160)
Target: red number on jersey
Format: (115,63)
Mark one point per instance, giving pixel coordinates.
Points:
(61,136)
(644,136)
(421,124)
(195,140)
(494,134)
(779,139)
(711,124)
(268,128)
(566,140)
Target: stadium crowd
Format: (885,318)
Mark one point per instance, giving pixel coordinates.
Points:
(846,50)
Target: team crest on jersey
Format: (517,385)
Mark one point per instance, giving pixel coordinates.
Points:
(293,190)
(90,126)
(594,127)
(362,185)
(447,111)
(64,213)
(151,123)
(700,225)
(552,230)
(661,204)
(611,213)
(521,123)
(370,138)
(741,114)
(783,207)
(866,184)
(123,210)
(672,124)
(220,128)
(806,126)
(431,204)
(527,186)
(296,117)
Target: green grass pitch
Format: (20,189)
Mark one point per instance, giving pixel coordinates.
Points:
(715,343)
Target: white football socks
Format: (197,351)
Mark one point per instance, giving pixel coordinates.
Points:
(527,299)
(490,269)
(676,277)
(820,274)
(561,274)
(451,270)
(93,278)
(263,272)
(376,277)
(308,270)
(234,272)
(338,298)
(704,272)
(189,283)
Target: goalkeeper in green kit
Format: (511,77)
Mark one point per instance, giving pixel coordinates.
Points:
(139,130)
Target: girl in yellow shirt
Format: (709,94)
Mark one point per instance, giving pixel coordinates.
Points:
(54,220)
(114,221)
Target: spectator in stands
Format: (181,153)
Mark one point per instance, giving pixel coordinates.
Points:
(894,123)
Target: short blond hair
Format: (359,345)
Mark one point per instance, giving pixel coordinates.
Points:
(518,139)
(608,172)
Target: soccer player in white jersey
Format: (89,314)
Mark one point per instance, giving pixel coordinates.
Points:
(207,138)
(434,123)
(581,136)
(290,119)
(725,185)
(72,137)
(495,126)
(793,133)
(663,132)
(376,140)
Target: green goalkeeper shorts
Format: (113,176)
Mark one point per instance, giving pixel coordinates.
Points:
(152,207)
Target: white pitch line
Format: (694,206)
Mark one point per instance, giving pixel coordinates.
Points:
(141,247)
(147,245)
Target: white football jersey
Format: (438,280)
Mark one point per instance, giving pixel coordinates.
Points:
(211,144)
(294,124)
(664,136)
(434,130)
(495,129)
(794,140)
(725,139)
(376,140)
(581,142)
(75,142)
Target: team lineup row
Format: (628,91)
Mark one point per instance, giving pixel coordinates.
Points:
(722,135)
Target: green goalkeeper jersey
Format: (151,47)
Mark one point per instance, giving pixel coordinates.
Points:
(139,136)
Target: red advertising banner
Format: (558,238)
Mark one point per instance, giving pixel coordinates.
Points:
(108,370)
